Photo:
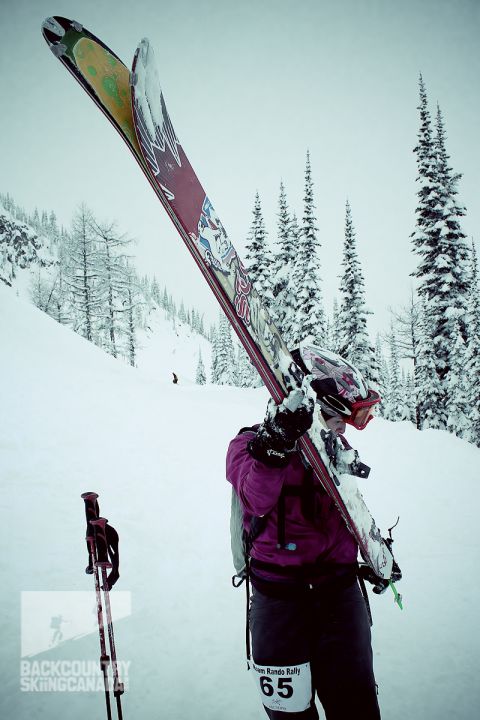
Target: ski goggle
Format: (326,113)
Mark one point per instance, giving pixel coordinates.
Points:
(361,411)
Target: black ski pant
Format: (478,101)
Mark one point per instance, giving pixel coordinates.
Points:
(331,630)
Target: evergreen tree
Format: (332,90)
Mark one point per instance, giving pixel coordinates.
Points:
(458,421)
(334,340)
(214,357)
(472,369)
(131,303)
(44,224)
(452,263)
(309,313)
(399,405)
(35,222)
(201,327)
(223,353)
(258,257)
(246,374)
(40,290)
(410,397)
(354,343)
(165,303)
(155,292)
(289,301)
(430,396)
(53,230)
(201,377)
(439,240)
(283,263)
(384,383)
(181,313)
(407,326)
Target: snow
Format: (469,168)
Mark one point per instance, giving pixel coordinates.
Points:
(75,419)
(147,84)
(169,346)
(149,99)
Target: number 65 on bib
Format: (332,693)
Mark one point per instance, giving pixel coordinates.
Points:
(285,689)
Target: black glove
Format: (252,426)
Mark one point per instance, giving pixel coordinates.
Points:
(379,584)
(282,427)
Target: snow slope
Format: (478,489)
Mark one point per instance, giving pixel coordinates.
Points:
(169,346)
(74,419)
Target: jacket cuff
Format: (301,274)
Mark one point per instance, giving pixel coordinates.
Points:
(265,454)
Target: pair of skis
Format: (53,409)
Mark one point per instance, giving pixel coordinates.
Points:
(134,103)
(102,545)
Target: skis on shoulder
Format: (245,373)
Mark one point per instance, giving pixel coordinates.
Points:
(135,102)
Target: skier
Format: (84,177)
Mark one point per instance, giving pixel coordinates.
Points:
(309,623)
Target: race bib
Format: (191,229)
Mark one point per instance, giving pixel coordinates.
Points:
(286,689)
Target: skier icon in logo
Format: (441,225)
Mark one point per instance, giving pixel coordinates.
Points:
(56,625)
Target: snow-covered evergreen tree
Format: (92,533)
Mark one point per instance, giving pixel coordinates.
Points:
(258,258)
(472,359)
(245,373)
(131,303)
(354,343)
(429,392)
(399,402)
(458,420)
(283,263)
(309,311)
(439,241)
(155,292)
(452,263)
(407,331)
(53,229)
(182,315)
(40,290)
(225,353)
(410,397)
(201,377)
(384,383)
(334,339)
(214,355)
(288,323)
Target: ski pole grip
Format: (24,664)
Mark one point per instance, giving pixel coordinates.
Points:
(101,541)
(92,511)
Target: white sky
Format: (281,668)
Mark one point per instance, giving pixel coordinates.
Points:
(249,86)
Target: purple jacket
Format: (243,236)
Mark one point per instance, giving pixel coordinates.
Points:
(321,538)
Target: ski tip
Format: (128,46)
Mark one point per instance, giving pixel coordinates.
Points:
(145,51)
(55,27)
(52,31)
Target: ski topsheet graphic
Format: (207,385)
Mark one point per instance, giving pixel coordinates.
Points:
(135,102)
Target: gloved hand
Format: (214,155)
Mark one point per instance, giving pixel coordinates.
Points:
(282,427)
(379,584)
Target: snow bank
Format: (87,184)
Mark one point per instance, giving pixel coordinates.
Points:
(74,419)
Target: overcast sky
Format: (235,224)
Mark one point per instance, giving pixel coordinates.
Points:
(250,86)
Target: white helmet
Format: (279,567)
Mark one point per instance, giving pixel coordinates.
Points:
(341,388)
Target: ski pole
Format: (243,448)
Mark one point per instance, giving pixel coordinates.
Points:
(398,597)
(91,513)
(99,526)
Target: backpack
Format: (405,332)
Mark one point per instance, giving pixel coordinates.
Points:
(241,539)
